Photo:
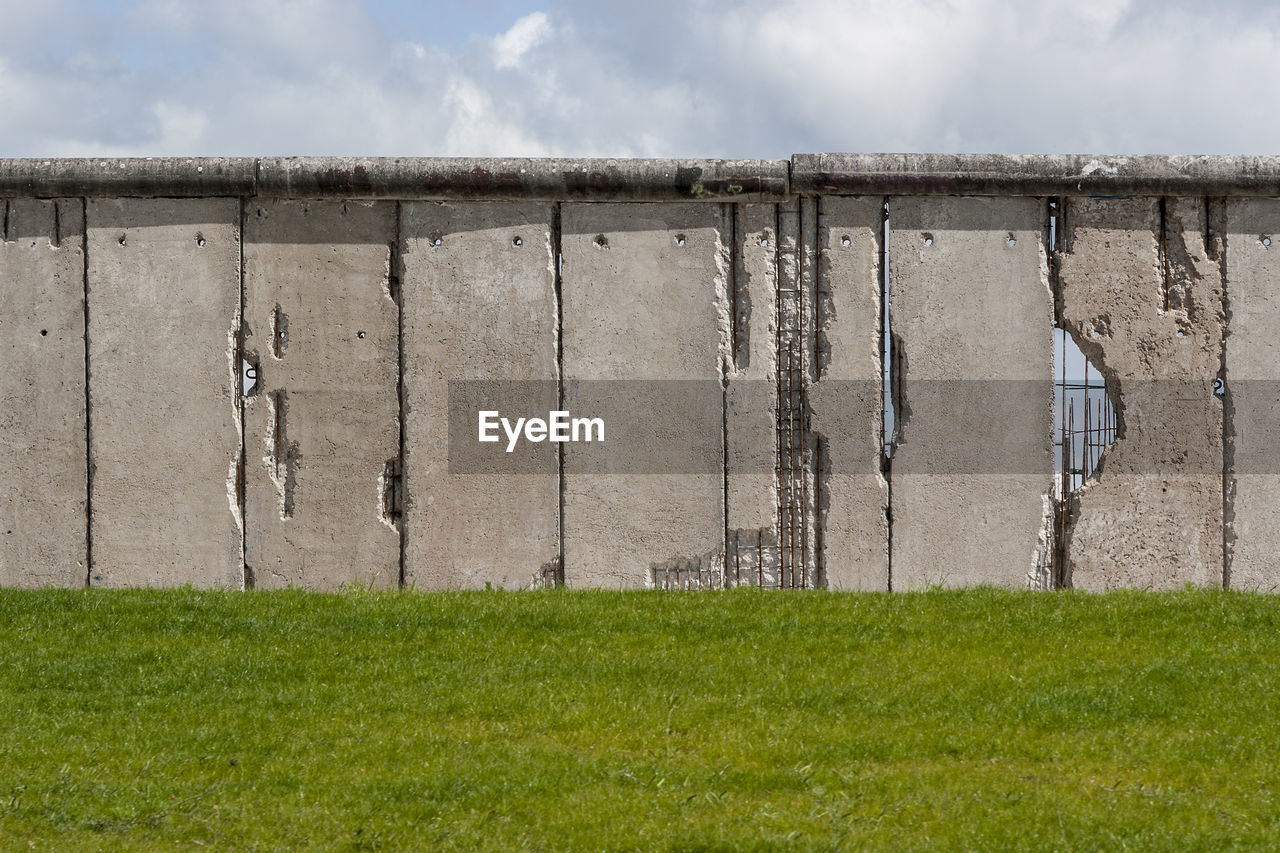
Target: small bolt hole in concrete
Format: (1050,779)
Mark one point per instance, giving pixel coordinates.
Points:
(123,239)
(680,240)
(845,241)
(200,240)
(928,239)
(437,240)
(1013,241)
(764,242)
(360,335)
(44,332)
(602,242)
(1266,241)
(517,242)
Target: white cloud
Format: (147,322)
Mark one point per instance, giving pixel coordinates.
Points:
(509,49)
(760,78)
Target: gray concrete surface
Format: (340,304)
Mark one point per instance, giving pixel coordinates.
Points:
(163,295)
(846,400)
(488,178)
(1145,305)
(1034,174)
(479,305)
(644,297)
(751,400)
(1253,383)
(321,323)
(970,302)
(43,458)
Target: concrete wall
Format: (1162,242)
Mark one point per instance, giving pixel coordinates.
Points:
(646,326)
(321,323)
(163,284)
(726,319)
(479,300)
(1141,290)
(43,467)
(972,311)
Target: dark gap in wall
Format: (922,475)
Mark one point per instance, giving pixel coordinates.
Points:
(729,212)
(88,407)
(246,372)
(553,575)
(395,475)
(887,387)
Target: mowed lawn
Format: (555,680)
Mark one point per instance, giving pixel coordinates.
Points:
(638,721)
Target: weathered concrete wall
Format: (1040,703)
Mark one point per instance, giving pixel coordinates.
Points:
(322,431)
(479,302)
(1141,290)
(43,476)
(751,401)
(723,317)
(847,401)
(164,300)
(1253,389)
(970,303)
(645,300)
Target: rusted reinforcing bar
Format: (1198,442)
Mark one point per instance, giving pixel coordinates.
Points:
(639,179)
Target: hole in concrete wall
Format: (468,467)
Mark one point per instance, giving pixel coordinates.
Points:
(44,332)
(360,335)
(680,239)
(928,239)
(1265,240)
(437,240)
(200,240)
(123,240)
(601,241)
(764,241)
(517,242)
(248,378)
(1085,420)
(1012,241)
(279,332)
(845,241)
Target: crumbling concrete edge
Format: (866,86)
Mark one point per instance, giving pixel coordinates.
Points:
(407,178)
(641,180)
(1033,174)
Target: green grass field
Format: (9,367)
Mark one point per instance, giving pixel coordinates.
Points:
(650,721)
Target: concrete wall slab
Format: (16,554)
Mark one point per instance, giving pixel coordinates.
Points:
(479,300)
(645,298)
(972,312)
(322,430)
(1141,289)
(164,300)
(43,456)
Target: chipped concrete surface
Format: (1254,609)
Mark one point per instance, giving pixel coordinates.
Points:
(324,420)
(703,271)
(164,282)
(970,302)
(1144,303)
(639,291)
(751,399)
(479,305)
(846,400)
(1253,385)
(43,477)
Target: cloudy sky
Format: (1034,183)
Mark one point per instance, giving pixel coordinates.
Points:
(761,78)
